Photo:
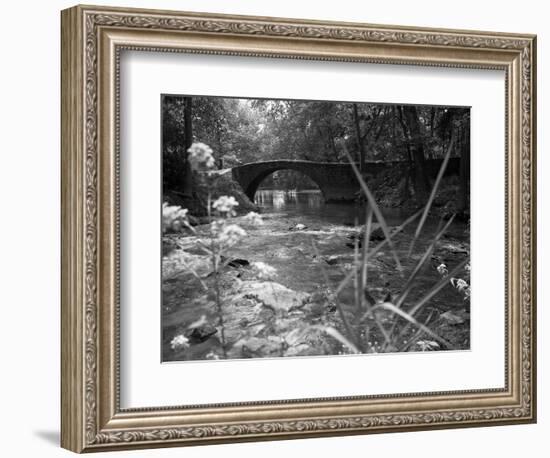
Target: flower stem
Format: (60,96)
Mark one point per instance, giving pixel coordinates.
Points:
(215,267)
(220,312)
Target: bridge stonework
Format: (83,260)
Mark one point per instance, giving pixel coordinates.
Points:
(337,181)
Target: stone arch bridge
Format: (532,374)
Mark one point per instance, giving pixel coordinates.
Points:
(337,181)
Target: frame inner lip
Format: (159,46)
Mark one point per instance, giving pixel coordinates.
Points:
(119,47)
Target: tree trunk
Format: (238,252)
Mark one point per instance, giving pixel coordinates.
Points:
(188,136)
(398,113)
(332,143)
(360,145)
(421,182)
(432,122)
(464,171)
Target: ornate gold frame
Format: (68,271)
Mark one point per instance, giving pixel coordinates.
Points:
(92,38)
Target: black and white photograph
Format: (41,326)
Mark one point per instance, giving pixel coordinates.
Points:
(313,228)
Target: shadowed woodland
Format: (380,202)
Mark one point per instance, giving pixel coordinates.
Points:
(241,131)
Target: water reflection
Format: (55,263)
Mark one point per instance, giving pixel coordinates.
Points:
(311,203)
(295,200)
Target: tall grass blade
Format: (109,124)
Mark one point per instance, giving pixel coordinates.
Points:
(392,308)
(372,202)
(339,306)
(433,193)
(385,333)
(358,289)
(340,338)
(417,334)
(427,254)
(366,242)
(435,289)
(377,248)
(438,287)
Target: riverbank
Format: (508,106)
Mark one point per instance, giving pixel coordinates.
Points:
(221,184)
(391,189)
(394,189)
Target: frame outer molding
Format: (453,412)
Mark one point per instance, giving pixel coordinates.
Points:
(73,390)
(91,38)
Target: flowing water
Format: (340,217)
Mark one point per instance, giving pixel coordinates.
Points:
(330,226)
(309,244)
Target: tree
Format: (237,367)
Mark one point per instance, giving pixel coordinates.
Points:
(188,136)
(421,181)
(359,139)
(173,142)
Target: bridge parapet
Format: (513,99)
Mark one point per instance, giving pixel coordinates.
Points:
(337,181)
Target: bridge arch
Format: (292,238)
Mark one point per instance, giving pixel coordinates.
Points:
(257,181)
(336,181)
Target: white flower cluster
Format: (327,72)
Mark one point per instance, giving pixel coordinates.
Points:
(179,342)
(427,345)
(230,235)
(264,270)
(200,155)
(442,269)
(253,218)
(225,205)
(174,218)
(462,286)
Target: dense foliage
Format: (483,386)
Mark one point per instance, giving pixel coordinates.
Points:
(248,130)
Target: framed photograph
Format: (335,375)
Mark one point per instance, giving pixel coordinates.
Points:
(278,228)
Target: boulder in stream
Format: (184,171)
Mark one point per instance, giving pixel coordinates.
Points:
(201,333)
(376,235)
(331,260)
(274,296)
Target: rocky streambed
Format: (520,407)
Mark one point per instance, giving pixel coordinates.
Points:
(292,311)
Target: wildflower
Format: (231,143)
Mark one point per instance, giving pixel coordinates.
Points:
(264,270)
(179,342)
(462,286)
(459,284)
(174,218)
(253,218)
(225,205)
(200,154)
(230,235)
(442,269)
(427,345)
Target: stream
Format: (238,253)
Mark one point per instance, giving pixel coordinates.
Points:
(307,242)
(311,205)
